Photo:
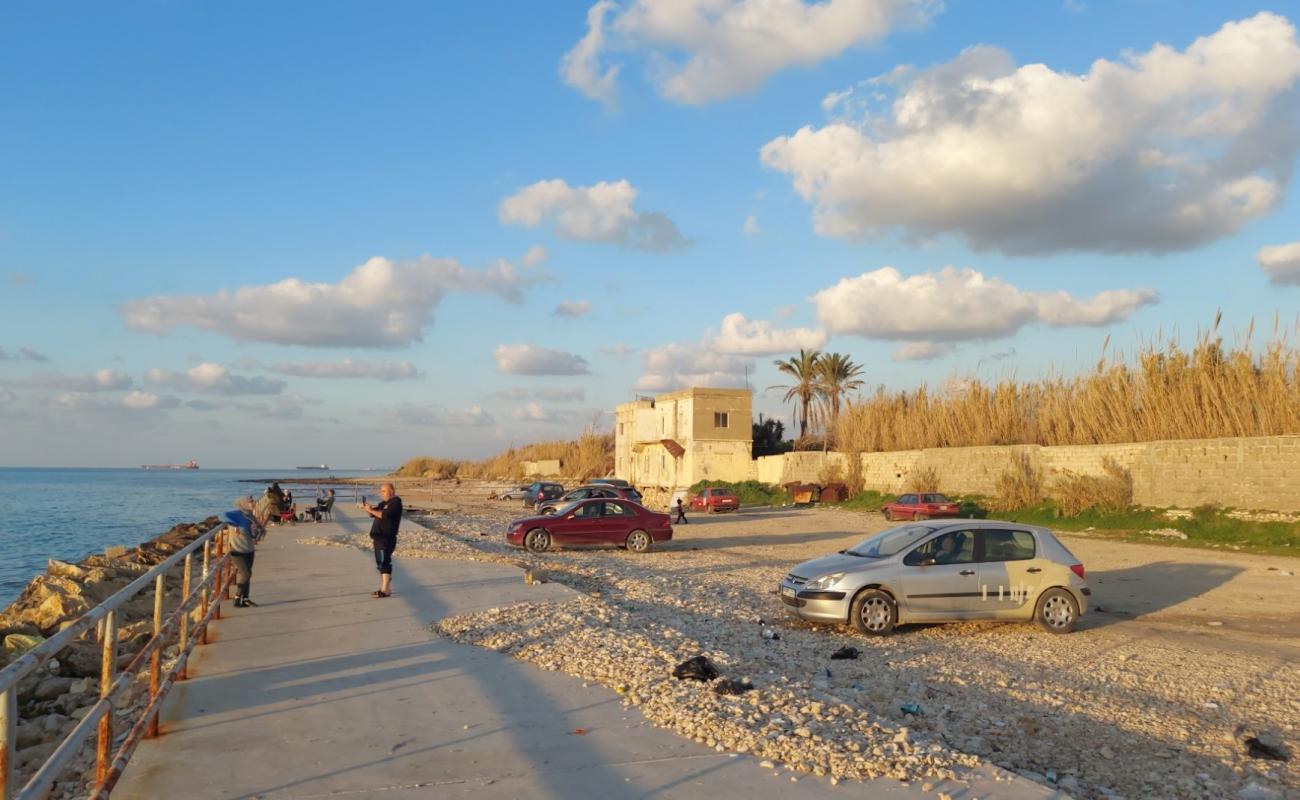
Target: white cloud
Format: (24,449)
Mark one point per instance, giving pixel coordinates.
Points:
(209,378)
(381,303)
(600,213)
(618,350)
(534,412)
(740,335)
(134,403)
(750,228)
(1281,263)
(674,366)
(473,416)
(555,395)
(529,359)
(349,368)
(956,305)
(729,46)
(573,308)
(580,67)
(534,256)
(922,351)
(138,399)
(1160,151)
(103,380)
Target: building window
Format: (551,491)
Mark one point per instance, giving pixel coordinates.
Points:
(720,419)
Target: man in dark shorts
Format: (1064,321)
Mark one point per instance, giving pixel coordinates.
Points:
(383,535)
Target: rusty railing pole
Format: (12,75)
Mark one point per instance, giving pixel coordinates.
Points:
(185,620)
(155,659)
(8,733)
(230,568)
(207,570)
(108,669)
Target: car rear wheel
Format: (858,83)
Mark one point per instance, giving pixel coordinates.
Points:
(874,613)
(639,541)
(920,517)
(1057,611)
(537,540)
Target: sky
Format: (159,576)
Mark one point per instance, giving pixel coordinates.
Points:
(270,234)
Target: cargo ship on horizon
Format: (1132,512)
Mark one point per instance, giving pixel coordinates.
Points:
(317,467)
(191,464)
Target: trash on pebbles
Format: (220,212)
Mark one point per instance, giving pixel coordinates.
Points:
(847,652)
(696,668)
(1167,533)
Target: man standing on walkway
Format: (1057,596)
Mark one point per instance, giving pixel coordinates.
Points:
(249,528)
(383,535)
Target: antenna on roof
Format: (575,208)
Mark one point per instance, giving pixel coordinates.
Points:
(747,386)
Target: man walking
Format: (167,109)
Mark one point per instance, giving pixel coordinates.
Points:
(681,514)
(387,514)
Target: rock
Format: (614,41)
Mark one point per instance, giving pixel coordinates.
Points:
(18,643)
(51,688)
(62,569)
(116,551)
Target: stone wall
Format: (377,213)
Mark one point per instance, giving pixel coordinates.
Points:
(1253,473)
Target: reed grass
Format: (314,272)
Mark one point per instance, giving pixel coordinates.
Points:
(1165,391)
(591,455)
(1109,493)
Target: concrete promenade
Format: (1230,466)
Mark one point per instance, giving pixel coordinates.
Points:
(324,691)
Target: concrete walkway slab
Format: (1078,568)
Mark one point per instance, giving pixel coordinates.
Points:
(324,691)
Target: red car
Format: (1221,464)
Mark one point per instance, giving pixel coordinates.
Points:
(592,521)
(715,499)
(920,506)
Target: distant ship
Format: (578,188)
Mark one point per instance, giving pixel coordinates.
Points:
(191,464)
(318,466)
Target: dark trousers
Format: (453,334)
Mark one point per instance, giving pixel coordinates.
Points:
(243,572)
(384,554)
(681,517)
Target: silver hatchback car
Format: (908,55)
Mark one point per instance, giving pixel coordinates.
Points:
(943,571)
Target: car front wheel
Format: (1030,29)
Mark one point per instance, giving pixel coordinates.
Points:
(874,613)
(1057,612)
(537,540)
(639,541)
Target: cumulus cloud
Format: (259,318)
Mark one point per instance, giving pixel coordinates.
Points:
(349,368)
(209,378)
(529,359)
(23,354)
(410,414)
(600,213)
(134,403)
(535,255)
(1159,151)
(1281,263)
(740,335)
(674,366)
(959,304)
(727,47)
(534,412)
(922,351)
(618,350)
(573,308)
(381,303)
(103,380)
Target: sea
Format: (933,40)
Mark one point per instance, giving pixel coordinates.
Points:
(70,513)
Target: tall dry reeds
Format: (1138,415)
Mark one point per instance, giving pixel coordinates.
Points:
(1166,392)
(591,455)
(1109,492)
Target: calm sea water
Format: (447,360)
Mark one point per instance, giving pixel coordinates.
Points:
(71,513)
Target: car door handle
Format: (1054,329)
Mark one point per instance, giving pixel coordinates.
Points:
(967,572)
(1034,569)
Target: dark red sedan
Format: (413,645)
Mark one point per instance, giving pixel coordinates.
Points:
(920,506)
(593,521)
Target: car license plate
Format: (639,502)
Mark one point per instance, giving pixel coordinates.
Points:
(786,591)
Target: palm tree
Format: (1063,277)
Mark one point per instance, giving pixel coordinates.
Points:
(836,376)
(803,368)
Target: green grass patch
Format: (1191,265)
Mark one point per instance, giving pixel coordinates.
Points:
(751,493)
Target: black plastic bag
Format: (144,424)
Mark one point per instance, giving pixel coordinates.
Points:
(698,668)
(846,652)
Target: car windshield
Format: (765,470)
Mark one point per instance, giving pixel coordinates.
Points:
(890,542)
(567,508)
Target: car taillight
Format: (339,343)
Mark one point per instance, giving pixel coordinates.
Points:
(1077,569)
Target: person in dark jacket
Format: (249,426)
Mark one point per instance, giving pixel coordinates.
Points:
(248,531)
(383,535)
(681,514)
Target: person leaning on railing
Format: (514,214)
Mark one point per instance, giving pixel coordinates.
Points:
(250,528)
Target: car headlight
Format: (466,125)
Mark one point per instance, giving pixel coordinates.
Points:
(824,582)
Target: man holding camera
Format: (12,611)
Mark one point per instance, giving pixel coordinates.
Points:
(383,535)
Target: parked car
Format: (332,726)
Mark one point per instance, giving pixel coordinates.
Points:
(941,572)
(715,499)
(583,492)
(920,506)
(541,490)
(592,521)
(514,493)
(612,482)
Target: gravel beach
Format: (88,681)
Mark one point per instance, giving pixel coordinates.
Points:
(1192,653)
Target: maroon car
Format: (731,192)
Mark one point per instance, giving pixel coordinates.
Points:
(920,506)
(715,499)
(592,521)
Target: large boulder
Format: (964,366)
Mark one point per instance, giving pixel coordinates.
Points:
(52,687)
(63,569)
(56,608)
(15,644)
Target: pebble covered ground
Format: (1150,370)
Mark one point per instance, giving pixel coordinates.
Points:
(1101,713)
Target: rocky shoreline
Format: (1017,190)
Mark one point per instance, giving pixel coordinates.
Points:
(53,698)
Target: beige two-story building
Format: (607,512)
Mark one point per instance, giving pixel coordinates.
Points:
(677,439)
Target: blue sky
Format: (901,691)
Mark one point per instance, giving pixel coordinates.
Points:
(189,192)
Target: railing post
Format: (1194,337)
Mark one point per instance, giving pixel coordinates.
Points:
(207,570)
(108,669)
(185,620)
(225,576)
(8,733)
(155,659)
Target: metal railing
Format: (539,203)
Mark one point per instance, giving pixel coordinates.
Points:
(187,625)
